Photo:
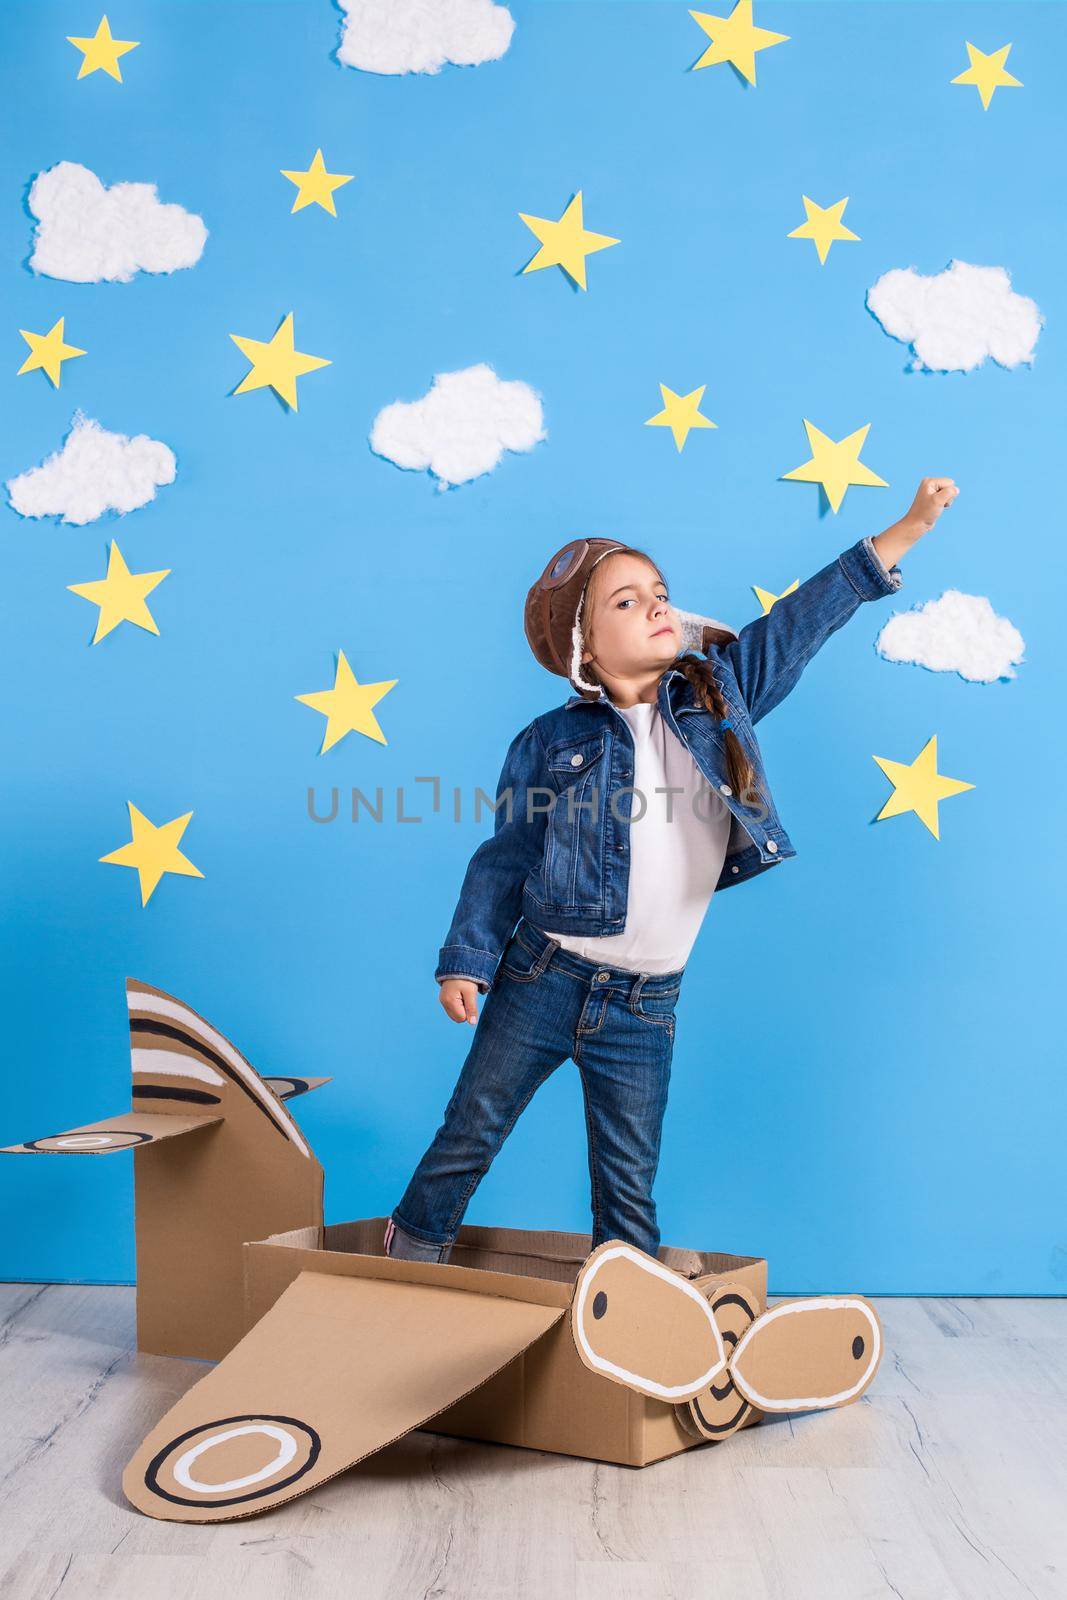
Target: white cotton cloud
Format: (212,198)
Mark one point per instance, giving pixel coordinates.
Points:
(461,427)
(88,233)
(422,35)
(957,633)
(94,472)
(956,318)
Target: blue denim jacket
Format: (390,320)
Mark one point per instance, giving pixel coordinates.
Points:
(560,851)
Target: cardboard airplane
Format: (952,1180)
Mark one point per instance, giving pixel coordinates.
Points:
(328,1350)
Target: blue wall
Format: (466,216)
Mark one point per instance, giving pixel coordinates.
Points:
(868,1079)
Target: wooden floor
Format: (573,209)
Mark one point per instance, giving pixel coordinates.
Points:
(949,1479)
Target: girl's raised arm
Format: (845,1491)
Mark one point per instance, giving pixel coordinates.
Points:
(771,652)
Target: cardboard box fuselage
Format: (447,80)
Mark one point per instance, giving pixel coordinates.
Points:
(545,1399)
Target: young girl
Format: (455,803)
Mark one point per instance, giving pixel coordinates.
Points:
(618,814)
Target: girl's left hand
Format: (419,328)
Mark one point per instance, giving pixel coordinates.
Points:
(931,498)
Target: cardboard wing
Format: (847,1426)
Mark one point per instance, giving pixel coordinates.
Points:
(641,1324)
(248,1174)
(126,1131)
(337,1369)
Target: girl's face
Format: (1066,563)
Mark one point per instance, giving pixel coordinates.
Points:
(629,624)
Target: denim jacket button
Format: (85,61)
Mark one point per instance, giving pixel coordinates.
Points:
(724,788)
(576,761)
(771,846)
(735,869)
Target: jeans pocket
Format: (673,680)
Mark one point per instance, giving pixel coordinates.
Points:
(657,1008)
(519,962)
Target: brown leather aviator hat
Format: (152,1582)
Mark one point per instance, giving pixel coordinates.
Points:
(553,615)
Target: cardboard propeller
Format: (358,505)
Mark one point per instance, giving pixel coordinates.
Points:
(638,1323)
(248,1173)
(721,1409)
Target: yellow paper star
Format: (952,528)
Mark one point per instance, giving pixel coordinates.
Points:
(836,464)
(316,185)
(680,413)
(102,52)
(153,851)
(121,595)
(48,351)
(347,706)
(276,364)
(767,599)
(735,39)
(918,787)
(565,243)
(987,73)
(823,225)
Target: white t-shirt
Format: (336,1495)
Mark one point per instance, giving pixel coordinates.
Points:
(677,849)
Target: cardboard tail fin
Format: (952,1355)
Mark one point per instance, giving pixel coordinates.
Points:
(338,1368)
(127,1131)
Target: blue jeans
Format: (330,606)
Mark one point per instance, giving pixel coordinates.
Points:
(546,1005)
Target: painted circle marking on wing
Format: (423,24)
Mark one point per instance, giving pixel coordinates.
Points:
(171,1465)
(105,1139)
(286,1452)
